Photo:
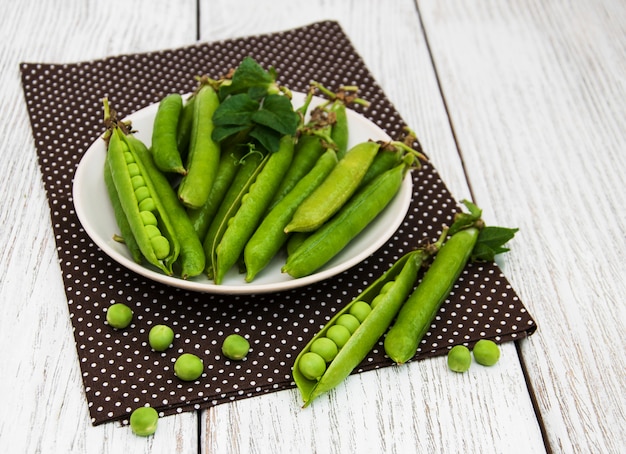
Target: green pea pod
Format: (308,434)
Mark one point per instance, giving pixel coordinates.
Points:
(416,315)
(191,258)
(120,217)
(307,151)
(249,167)
(201,217)
(340,129)
(390,290)
(204,152)
(334,192)
(295,240)
(326,242)
(183,131)
(152,247)
(384,160)
(164,135)
(269,237)
(253,206)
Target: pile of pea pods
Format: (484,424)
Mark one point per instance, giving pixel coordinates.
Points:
(210,194)
(398,307)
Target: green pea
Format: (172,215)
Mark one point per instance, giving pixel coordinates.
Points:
(386,287)
(143,421)
(312,366)
(137,181)
(235,347)
(459,358)
(188,367)
(360,309)
(486,352)
(128,156)
(119,315)
(160,337)
(325,347)
(349,321)
(133,169)
(147,205)
(152,231)
(161,246)
(338,334)
(148,218)
(142,193)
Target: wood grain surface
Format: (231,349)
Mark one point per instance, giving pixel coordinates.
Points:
(520,106)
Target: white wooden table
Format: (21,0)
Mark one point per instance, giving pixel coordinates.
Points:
(521,106)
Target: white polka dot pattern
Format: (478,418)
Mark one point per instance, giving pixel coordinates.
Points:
(120,371)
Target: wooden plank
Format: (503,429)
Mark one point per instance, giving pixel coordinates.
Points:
(420,407)
(535,92)
(45,409)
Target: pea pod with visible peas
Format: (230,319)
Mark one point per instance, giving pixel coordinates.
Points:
(165,134)
(415,317)
(269,237)
(317,368)
(204,152)
(334,192)
(127,236)
(148,220)
(191,259)
(253,206)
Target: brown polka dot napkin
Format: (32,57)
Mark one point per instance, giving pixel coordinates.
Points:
(120,371)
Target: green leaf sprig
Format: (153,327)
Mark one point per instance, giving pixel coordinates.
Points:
(491,239)
(253,103)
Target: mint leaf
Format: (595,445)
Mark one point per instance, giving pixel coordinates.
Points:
(277,113)
(267,137)
(249,75)
(221,133)
(251,102)
(491,241)
(236,110)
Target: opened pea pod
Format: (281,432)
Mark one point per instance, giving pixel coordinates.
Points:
(148,220)
(340,346)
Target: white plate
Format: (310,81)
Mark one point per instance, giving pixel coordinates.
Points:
(95,213)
